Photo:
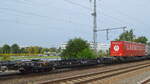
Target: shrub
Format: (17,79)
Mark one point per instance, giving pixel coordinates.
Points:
(74,47)
(6,58)
(86,54)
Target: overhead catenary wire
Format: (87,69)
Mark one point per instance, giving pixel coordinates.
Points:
(104,14)
(113,17)
(77,4)
(85,7)
(22,2)
(131,17)
(35,25)
(30,13)
(68,1)
(27,23)
(42,16)
(46,17)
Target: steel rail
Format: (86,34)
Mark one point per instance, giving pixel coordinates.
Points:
(86,78)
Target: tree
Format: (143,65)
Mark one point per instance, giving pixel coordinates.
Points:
(129,36)
(6,48)
(148,43)
(33,49)
(23,50)
(15,48)
(74,47)
(36,49)
(141,39)
(126,36)
(53,49)
(6,58)
(44,50)
(0,50)
(59,50)
(30,50)
(86,54)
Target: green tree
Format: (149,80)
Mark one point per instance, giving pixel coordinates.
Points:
(33,49)
(126,36)
(30,50)
(141,39)
(6,48)
(148,43)
(44,50)
(74,47)
(23,50)
(6,58)
(102,53)
(53,49)
(1,50)
(15,48)
(129,36)
(59,50)
(86,54)
(36,49)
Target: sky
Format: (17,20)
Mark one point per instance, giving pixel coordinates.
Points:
(50,23)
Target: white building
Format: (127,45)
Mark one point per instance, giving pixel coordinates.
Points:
(100,46)
(63,46)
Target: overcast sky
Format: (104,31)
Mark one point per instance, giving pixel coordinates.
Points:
(50,23)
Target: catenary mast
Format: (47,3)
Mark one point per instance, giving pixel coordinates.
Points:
(94,14)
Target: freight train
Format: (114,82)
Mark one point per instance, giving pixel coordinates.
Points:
(120,51)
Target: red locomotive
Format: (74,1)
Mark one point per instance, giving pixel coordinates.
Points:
(128,49)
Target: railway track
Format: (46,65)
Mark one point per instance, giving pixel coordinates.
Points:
(18,75)
(9,74)
(35,78)
(96,76)
(147,81)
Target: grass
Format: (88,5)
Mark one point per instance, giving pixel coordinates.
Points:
(30,57)
(19,54)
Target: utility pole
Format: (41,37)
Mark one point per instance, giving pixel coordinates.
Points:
(94,14)
(109,29)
